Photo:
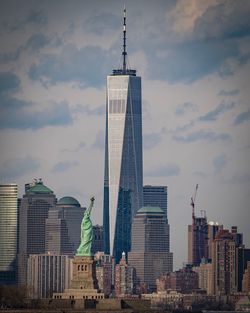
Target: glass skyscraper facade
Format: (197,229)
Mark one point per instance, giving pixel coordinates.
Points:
(8,232)
(156,196)
(123,160)
(123,156)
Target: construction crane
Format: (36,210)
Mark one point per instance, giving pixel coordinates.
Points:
(193,202)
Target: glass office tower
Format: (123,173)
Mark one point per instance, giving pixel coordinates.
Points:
(8,233)
(123,157)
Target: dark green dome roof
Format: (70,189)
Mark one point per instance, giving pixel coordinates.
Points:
(40,188)
(69,201)
(150,210)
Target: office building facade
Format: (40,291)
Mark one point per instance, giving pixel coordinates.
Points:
(8,233)
(34,209)
(156,196)
(123,157)
(48,273)
(150,254)
(63,226)
(97,244)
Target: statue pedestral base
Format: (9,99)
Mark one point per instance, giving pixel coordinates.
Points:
(84,273)
(84,284)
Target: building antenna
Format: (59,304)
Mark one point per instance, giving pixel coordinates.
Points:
(124,53)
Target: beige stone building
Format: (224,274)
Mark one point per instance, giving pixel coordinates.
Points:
(205,272)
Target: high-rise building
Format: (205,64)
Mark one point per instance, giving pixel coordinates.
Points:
(123,156)
(150,254)
(224,252)
(48,273)
(197,240)
(156,196)
(212,229)
(105,268)
(63,226)
(124,278)
(8,233)
(34,208)
(97,244)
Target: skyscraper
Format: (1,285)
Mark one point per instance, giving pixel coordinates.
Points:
(224,251)
(123,156)
(34,209)
(197,240)
(63,226)
(149,254)
(8,232)
(156,196)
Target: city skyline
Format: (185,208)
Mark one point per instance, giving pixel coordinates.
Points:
(53,68)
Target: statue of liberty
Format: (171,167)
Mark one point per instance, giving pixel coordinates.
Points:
(86,232)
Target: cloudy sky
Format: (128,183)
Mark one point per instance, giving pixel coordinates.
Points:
(194,60)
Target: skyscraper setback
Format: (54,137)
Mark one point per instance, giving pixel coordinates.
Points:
(123,156)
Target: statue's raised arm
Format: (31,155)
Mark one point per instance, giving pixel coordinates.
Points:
(86,232)
(88,211)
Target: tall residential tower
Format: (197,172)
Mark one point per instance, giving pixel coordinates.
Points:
(8,233)
(123,156)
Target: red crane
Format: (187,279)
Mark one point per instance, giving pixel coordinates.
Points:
(193,202)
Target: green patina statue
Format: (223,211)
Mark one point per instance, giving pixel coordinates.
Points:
(86,232)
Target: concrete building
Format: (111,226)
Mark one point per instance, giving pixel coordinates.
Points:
(124,278)
(63,226)
(8,233)
(105,272)
(184,280)
(205,273)
(34,208)
(97,245)
(123,157)
(246,279)
(212,229)
(48,273)
(224,251)
(150,254)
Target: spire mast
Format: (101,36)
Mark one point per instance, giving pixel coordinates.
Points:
(124,53)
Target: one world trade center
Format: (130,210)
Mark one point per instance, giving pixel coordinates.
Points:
(123,156)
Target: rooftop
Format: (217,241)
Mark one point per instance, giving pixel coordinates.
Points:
(150,210)
(39,187)
(68,201)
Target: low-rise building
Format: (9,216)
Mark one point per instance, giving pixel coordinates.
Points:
(48,273)
(184,280)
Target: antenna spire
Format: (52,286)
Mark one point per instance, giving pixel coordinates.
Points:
(124,53)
